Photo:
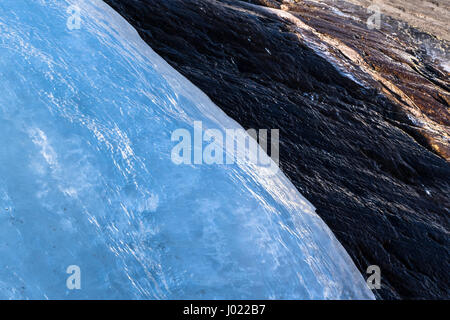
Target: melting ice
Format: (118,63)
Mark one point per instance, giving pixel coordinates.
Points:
(86,178)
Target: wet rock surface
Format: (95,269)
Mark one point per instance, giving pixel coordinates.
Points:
(352,151)
(408,66)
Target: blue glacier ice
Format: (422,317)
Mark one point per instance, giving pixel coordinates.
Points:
(86,178)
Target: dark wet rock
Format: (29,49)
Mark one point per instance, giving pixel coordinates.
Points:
(402,62)
(354,153)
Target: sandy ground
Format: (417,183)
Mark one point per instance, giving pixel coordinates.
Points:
(431,16)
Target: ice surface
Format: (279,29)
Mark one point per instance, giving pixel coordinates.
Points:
(86,178)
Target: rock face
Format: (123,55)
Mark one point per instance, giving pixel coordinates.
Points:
(428,15)
(348,143)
